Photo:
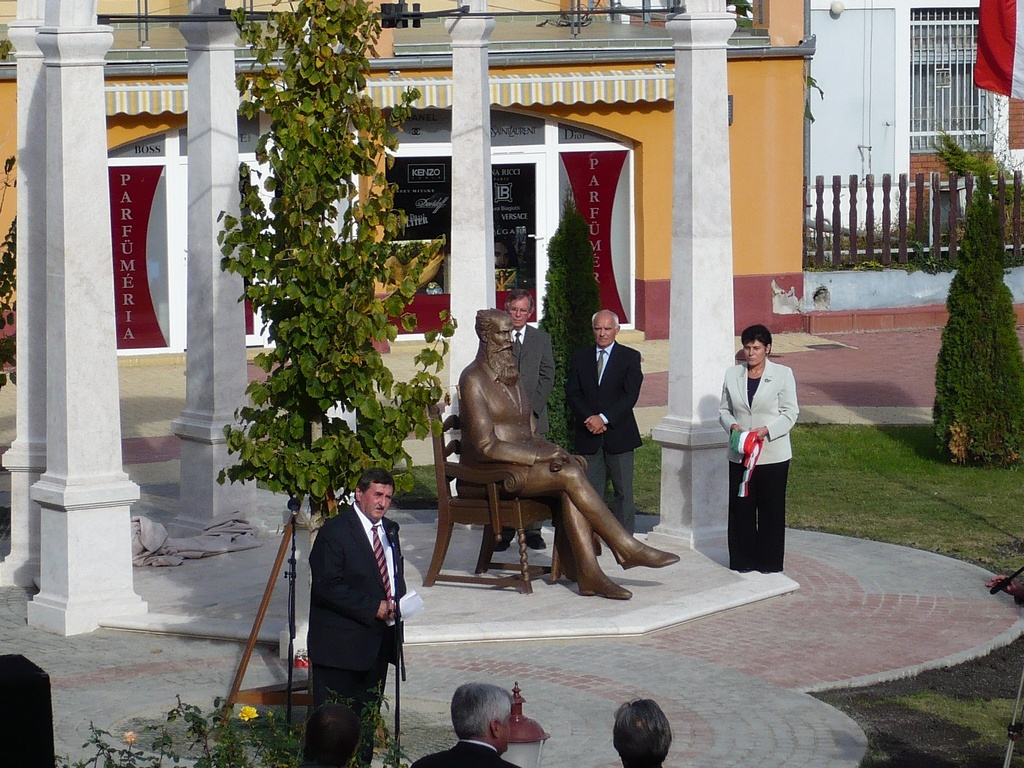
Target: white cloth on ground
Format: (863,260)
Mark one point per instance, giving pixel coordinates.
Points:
(151,544)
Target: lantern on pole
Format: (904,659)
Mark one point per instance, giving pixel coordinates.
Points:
(526,737)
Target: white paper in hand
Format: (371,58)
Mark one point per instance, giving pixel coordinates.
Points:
(410,604)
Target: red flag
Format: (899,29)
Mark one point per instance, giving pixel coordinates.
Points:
(1000,63)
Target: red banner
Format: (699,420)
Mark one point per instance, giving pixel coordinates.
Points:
(594,180)
(132,189)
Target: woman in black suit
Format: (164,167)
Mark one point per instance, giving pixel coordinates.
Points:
(758,397)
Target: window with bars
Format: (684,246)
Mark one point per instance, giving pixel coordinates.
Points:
(943,44)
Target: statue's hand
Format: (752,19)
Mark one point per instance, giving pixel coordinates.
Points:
(558,459)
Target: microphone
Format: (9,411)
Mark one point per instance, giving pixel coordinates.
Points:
(1000,585)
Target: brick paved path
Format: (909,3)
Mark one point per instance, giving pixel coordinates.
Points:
(873,369)
(732,684)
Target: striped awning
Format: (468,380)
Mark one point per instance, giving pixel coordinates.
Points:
(568,88)
(146,98)
(608,87)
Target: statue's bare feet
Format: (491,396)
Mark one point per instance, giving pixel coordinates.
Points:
(648,557)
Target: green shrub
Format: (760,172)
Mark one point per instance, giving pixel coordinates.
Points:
(573,296)
(979,377)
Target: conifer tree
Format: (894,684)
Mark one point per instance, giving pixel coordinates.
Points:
(979,377)
(572,298)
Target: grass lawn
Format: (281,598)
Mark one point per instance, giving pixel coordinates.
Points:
(890,484)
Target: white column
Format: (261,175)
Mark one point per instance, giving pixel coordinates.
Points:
(215,359)
(694,471)
(84,494)
(26,458)
(471,262)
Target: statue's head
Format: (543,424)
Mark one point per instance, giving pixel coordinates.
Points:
(494,329)
(491,324)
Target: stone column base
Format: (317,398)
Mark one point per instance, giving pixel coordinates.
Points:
(86,573)
(694,487)
(20,567)
(204,453)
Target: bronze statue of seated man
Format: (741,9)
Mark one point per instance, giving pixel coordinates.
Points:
(498,429)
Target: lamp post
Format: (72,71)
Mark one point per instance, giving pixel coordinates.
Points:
(526,737)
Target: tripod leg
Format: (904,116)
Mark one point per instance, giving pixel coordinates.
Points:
(261,614)
(1013,731)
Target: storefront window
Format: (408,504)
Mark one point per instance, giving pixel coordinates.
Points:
(138,225)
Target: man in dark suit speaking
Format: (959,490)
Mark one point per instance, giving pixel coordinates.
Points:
(480,715)
(357,581)
(602,389)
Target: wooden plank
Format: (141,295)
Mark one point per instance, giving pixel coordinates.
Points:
(903,214)
(920,233)
(936,218)
(270,695)
(837,222)
(869,217)
(819,221)
(853,219)
(1016,215)
(953,213)
(886,219)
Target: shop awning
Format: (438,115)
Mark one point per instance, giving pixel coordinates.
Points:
(607,87)
(146,98)
(568,88)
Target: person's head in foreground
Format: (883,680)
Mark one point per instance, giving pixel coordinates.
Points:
(332,735)
(641,734)
(481,712)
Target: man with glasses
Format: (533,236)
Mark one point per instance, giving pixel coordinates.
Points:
(536,362)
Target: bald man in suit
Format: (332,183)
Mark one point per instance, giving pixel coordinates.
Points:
(602,389)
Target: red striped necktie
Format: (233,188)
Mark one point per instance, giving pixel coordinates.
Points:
(382,563)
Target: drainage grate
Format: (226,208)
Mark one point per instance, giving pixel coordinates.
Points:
(826,346)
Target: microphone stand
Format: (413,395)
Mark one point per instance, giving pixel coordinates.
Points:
(293,508)
(399,641)
(399,676)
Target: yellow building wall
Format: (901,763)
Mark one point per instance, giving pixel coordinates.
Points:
(766,145)
(648,128)
(784,20)
(766,149)
(766,141)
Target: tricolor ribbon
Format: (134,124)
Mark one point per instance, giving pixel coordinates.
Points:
(749,444)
